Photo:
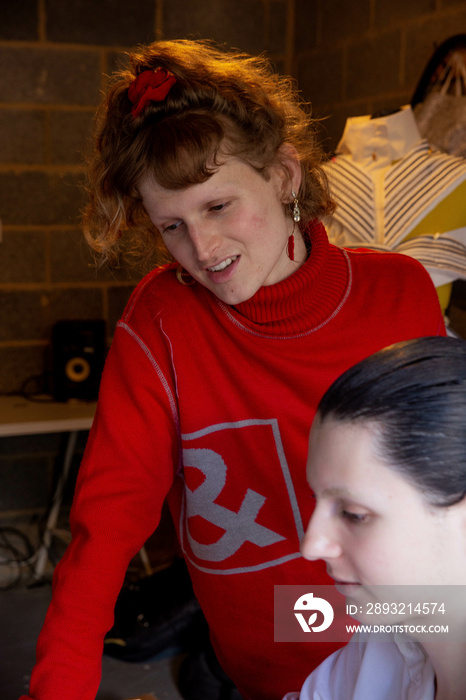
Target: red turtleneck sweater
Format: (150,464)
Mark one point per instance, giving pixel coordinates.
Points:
(210,406)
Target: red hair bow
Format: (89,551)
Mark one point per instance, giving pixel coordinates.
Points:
(149,86)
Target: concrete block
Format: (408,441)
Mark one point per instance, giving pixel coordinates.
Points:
(22,257)
(106,22)
(397,11)
(22,136)
(306,24)
(276,38)
(49,76)
(19,363)
(71,260)
(320,77)
(20,20)
(117,300)
(341,20)
(22,315)
(239,24)
(30,314)
(69,136)
(40,198)
(373,65)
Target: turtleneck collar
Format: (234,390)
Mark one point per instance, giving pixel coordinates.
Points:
(302,301)
(377,143)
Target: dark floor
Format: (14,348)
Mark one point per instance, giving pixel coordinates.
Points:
(22,611)
(23,608)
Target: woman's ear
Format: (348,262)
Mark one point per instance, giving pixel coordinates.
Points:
(289,166)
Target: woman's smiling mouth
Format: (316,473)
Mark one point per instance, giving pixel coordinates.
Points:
(221,266)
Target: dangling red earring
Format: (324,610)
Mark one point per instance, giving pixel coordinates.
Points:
(296,214)
(290,247)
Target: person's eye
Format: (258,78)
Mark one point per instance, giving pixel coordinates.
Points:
(219,207)
(354,518)
(171,227)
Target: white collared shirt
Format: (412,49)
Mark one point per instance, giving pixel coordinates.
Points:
(378,143)
(373,670)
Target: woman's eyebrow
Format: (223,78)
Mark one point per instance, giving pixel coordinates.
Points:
(338,491)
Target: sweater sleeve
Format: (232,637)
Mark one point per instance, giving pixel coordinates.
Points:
(127,470)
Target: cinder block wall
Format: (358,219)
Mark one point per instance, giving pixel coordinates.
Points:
(54,56)
(354,58)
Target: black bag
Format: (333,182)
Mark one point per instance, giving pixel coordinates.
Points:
(157,616)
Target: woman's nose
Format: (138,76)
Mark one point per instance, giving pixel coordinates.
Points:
(319,541)
(205,241)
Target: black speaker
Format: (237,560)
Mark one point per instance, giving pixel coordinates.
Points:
(78,353)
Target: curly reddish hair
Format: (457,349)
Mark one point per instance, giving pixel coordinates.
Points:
(222,102)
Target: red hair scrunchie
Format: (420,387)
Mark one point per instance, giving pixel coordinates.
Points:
(149,86)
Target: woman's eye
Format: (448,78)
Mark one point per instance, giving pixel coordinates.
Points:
(355,518)
(172,227)
(218,207)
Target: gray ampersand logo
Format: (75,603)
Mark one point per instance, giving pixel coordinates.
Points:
(239,527)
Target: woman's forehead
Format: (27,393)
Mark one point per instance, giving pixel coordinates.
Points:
(343,456)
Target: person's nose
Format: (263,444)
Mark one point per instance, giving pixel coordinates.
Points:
(320,540)
(205,241)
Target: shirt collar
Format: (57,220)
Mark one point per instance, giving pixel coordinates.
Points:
(377,143)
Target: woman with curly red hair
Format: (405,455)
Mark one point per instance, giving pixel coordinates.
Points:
(210,158)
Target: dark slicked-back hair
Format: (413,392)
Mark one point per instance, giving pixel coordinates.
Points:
(414,396)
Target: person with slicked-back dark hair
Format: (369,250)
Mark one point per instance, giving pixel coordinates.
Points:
(387,465)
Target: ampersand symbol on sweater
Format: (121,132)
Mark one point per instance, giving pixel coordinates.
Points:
(240,527)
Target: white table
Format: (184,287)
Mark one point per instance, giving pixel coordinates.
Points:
(19,416)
